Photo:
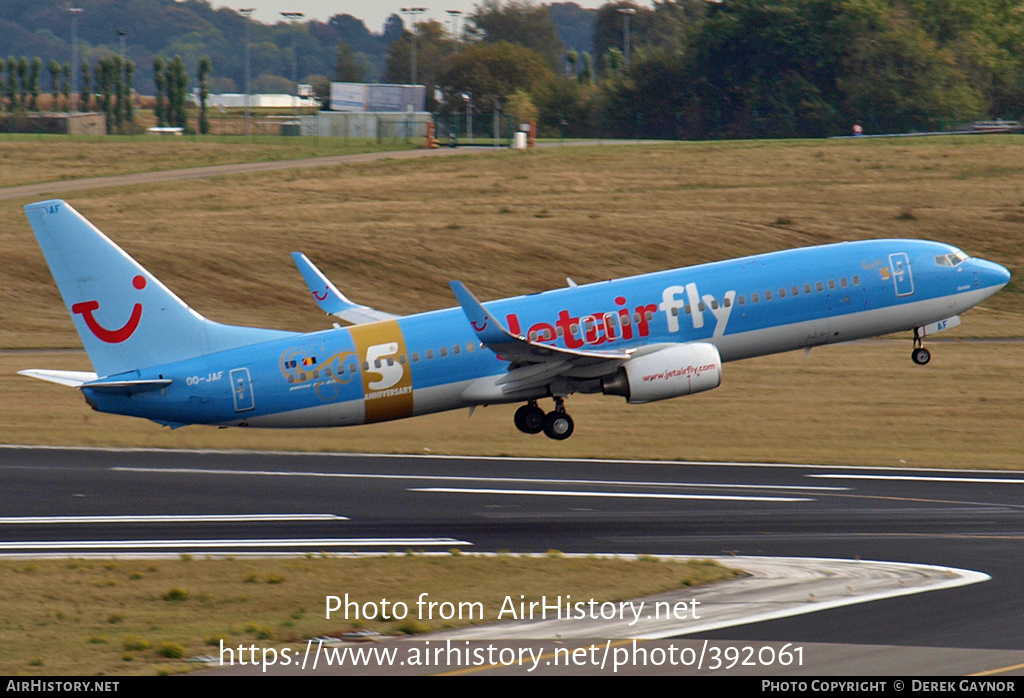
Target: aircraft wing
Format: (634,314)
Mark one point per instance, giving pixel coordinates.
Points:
(516,348)
(331,300)
(532,364)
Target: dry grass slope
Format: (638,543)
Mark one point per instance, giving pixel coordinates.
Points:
(393,233)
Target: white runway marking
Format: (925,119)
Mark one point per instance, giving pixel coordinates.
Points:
(626,495)
(229,542)
(467,478)
(171,518)
(923,478)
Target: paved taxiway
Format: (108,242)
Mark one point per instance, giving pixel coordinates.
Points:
(293,502)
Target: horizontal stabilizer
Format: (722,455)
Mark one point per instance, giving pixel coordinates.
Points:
(72,379)
(128,387)
(331,300)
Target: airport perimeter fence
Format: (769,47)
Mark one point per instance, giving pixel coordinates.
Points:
(474,129)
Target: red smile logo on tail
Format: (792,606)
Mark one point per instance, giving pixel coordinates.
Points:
(111,336)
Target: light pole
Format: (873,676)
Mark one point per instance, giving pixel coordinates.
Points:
(294,17)
(247,12)
(74,12)
(413,13)
(122,34)
(455,14)
(627,12)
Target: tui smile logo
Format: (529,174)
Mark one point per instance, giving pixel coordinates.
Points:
(119,335)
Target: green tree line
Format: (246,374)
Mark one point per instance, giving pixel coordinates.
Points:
(738,69)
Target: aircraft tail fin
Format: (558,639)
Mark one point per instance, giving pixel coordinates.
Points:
(125,317)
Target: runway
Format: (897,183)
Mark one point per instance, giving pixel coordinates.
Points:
(81,501)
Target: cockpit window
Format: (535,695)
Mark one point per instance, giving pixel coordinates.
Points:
(952,259)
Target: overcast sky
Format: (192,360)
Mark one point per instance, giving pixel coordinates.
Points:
(372,12)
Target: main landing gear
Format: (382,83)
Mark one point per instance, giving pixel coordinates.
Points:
(530,419)
(920,355)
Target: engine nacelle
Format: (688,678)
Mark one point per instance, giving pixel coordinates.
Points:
(671,372)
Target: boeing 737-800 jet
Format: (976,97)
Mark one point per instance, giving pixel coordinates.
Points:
(644,338)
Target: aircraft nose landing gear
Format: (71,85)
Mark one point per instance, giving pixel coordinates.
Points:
(920,355)
(558,425)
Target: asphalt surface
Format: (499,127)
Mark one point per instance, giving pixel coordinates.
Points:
(971,521)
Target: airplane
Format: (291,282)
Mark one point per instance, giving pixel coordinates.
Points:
(644,338)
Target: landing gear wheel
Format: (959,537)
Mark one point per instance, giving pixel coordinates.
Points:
(558,425)
(921,356)
(529,419)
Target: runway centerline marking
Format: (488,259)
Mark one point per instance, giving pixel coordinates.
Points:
(474,478)
(625,495)
(171,518)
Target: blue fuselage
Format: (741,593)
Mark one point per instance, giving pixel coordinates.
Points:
(424,363)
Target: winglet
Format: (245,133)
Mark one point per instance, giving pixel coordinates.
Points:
(330,299)
(488,329)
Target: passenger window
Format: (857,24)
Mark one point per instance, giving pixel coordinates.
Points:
(856,281)
(457,349)
(831,285)
(807,288)
(444,351)
(782,293)
(843,282)
(430,354)
(767,295)
(754,298)
(819,286)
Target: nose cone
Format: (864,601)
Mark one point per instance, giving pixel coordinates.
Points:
(990,275)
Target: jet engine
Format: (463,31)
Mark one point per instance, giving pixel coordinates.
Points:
(671,372)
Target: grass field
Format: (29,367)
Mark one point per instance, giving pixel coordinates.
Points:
(393,233)
(29,159)
(109,617)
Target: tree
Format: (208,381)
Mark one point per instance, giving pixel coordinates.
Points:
(433,50)
(86,94)
(177,88)
(34,75)
(12,83)
(129,84)
(487,71)
(65,84)
(54,67)
(23,82)
(204,70)
(160,78)
(120,91)
(520,22)
(349,66)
